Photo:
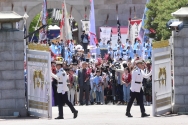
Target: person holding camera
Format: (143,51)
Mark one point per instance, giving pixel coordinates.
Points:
(85,41)
(136,87)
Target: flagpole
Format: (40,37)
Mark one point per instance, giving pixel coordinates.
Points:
(36,27)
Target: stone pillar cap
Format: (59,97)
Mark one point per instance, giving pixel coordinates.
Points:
(10,16)
(182,12)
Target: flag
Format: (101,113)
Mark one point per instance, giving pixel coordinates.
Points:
(67,25)
(118,29)
(129,26)
(143,30)
(62,21)
(118,25)
(92,34)
(44,13)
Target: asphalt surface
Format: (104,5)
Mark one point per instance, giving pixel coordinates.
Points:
(101,115)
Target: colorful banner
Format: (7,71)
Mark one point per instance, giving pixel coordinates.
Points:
(85,26)
(44,12)
(62,21)
(134,29)
(105,34)
(67,25)
(93,38)
(143,30)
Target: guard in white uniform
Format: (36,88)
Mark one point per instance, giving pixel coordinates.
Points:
(62,88)
(136,87)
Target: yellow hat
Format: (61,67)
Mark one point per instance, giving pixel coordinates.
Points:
(59,59)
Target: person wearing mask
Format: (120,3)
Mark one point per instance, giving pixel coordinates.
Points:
(136,88)
(62,89)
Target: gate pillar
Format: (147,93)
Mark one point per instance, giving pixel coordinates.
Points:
(180,39)
(12,84)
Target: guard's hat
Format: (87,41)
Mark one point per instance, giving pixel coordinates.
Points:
(60,59)
(139,61)
(59,63)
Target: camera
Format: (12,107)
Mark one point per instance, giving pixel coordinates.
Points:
(117,65)
(175,25)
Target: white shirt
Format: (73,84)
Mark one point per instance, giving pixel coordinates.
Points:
(69,61)
(137,78)
(71,46)
(61,77)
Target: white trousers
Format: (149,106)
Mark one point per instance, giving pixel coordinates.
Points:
(71,94)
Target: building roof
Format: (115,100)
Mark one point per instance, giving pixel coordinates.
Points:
(182,12)
(10,16)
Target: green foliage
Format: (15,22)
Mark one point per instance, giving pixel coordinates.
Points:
(159,14)
(35,21)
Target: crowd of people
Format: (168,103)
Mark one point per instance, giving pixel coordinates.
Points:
(101,79)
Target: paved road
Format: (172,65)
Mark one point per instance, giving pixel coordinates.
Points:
(101,115)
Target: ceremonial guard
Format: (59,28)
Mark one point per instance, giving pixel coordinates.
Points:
(136,87)
(62,89)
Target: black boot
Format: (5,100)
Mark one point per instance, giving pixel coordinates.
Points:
(59,117)
(145,115)
(75,114)
(128,114)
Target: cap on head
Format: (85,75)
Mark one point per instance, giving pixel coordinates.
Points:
(59,63)
(139,61)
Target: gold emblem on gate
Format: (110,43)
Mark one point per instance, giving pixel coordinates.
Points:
(162,76)
(38,79)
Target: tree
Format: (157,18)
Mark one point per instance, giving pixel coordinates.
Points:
(35,21)
(158,14)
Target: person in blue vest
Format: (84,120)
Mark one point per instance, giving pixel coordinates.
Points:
(130,52)
(68,53)
(148,51)
(98,50)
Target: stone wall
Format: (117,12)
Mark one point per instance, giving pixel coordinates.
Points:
(12,86)
(181,71)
